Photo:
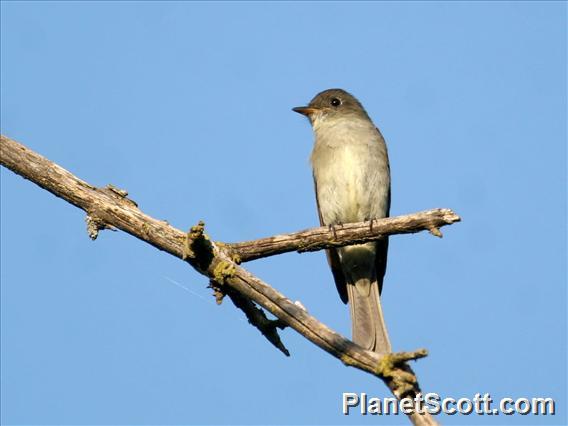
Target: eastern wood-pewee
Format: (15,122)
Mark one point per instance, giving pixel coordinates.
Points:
(352,184)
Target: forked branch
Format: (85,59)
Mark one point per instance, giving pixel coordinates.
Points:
(110,208)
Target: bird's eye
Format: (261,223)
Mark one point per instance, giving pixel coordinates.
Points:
(335,102)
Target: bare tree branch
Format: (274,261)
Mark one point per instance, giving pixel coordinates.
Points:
(315,239)
(257,317)
(110,207)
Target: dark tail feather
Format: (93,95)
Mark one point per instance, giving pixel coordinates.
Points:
(368,325)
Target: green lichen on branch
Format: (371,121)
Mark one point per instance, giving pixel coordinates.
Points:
(389,362)
(231,253)
(392,367)
(223,271)
(347,360)
(197,247)
(235,257)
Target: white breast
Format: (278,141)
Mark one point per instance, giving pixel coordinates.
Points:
(351,171)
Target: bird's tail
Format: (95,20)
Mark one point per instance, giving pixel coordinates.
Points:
(368,326)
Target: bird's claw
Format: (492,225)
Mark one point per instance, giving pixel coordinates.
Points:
(332,228)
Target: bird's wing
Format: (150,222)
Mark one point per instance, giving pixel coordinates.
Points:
(333,260)
(382,251)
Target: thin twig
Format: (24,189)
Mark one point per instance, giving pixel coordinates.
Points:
(315,239)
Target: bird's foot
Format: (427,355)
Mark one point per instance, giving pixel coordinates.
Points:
(332,228)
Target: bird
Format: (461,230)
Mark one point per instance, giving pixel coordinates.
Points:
(351,175)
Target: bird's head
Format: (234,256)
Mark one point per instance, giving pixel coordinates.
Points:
(332,104)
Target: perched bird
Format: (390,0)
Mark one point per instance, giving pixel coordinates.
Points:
(352,184)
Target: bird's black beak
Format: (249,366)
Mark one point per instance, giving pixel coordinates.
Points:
(305,110)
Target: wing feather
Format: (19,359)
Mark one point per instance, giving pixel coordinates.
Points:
(333,259)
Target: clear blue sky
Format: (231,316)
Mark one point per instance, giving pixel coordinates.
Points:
(187,106)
